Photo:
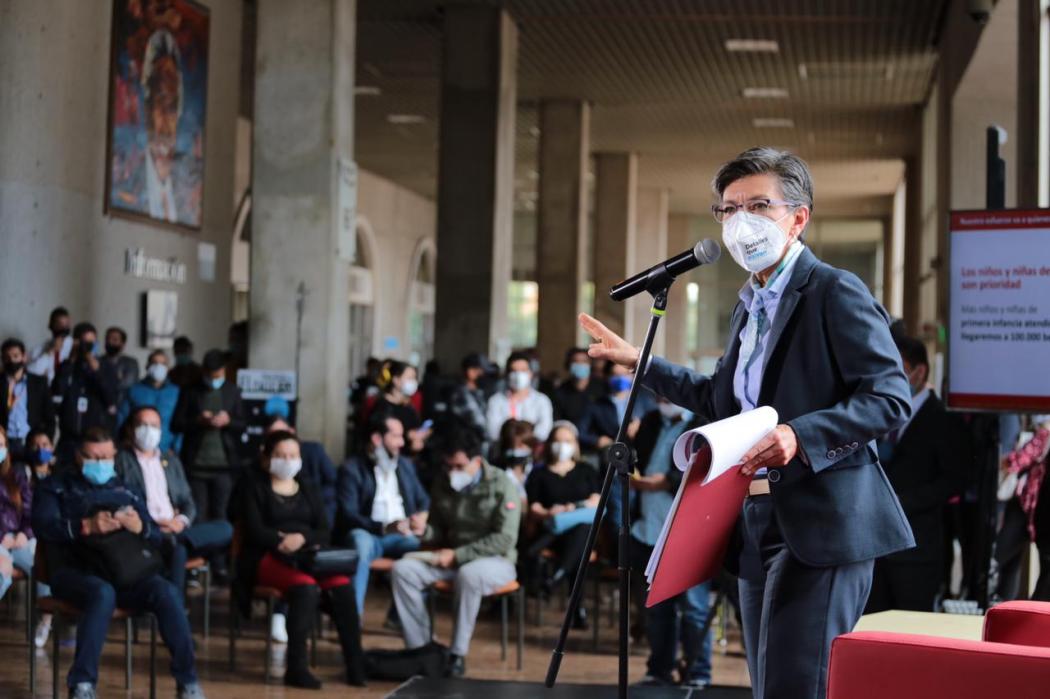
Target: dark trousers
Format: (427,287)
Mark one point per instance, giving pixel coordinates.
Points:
(97,599)
(792,609)
(198,540)
(211,492)
(904,585)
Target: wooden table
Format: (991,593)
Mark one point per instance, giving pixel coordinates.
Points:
(960,626)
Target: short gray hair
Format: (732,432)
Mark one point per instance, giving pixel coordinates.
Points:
(795,181)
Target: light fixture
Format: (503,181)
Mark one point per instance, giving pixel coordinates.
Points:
(773,123)
(752,46)
(405,119)
(758,93)
(367,91)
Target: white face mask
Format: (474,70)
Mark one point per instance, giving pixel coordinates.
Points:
(459,479)
(563,451)
(286,468)
(519,380)
(147,437)
(158,372)
(409,388)
(754,241)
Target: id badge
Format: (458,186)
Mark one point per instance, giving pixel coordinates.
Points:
(82,404)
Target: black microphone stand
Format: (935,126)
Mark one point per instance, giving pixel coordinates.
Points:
(618,463)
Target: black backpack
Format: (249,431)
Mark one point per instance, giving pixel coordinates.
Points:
(398,665)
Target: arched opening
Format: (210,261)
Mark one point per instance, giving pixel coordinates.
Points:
(361,299)
(421,304)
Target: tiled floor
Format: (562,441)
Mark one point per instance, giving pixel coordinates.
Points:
(581,663)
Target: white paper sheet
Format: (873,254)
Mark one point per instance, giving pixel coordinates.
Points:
(729,440)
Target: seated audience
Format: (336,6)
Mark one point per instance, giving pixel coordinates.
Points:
(575,394)
(71,514)
(282,520)
(382,505)
(520,401)
(921,464)
(562,486)
(474,519)
(468,402)
(317,467)
(601,422)
(158,478)
(25,400)
(155,389)
(515,452)
(400,385)
(40,455)
(85,391)
(17,543)
(681,618)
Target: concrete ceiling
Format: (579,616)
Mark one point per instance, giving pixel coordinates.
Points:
(663,84)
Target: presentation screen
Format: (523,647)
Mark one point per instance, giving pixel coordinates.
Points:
(999,314)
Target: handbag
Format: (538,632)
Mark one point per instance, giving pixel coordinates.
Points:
(124,558)
(323,561)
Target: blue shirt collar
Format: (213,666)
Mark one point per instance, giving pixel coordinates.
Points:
(779,279)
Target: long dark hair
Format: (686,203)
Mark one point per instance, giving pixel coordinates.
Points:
(8,476)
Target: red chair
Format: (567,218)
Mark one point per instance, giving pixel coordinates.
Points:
(1012,661)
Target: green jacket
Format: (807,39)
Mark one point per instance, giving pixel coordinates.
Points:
(481,521)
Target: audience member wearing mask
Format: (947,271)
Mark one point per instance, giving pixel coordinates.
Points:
(186,372)
(211,419)
(70,512)
(125,367)
(601,422)
(85,391)
(475,515)
(282,517)
(17,543)
(40,458)
(574,395)
(468,401)
(515,451)
(156,390)
(25,399)
(383,507)
(681,618)
(317,467)
(520,401)
(562,486)
(399,399)
(921,463)
(159,479)
(46,358)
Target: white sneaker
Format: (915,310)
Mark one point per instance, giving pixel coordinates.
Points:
(278,629)
(43,631)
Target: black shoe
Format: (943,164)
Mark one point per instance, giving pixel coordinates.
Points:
(456,667)
(551,583)
(301,678)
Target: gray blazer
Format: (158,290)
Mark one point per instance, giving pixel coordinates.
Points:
(833,373)
(128,468)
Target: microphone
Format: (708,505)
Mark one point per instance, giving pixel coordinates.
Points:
(705,252)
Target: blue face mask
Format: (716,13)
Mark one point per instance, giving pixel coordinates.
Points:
(619,384)
(42,456)
(580,371)
(3,453)
(217,383)
(99,472)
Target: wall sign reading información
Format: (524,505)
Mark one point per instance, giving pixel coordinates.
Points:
(999,315)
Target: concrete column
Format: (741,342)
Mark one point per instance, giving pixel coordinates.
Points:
(562,220)
(1033,111)
(650,246)
(676,348)
(304,108)
(475,182)
(911,309)
(615,202)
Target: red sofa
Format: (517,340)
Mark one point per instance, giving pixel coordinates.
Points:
(1012,662)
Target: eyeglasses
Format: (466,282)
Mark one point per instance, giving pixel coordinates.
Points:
(761,207)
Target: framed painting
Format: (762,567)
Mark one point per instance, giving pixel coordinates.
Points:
(158,84)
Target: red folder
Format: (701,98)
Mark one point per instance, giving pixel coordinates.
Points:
(699,534)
